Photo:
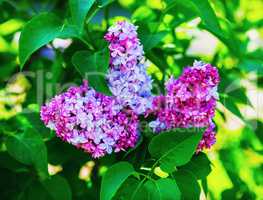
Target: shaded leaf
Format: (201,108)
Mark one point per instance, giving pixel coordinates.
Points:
(187,184)
(94,67)
(29,148)
(194,166)
(8,162)
(58,188)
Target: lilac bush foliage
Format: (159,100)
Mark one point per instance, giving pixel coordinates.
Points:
(91,121)
(190,101)
(127,76)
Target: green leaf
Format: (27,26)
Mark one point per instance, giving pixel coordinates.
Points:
(194,166)
(149,39)
(187,9)
(35,191)
(232,87)
(131,189)
(8,162)
(58,188)
(79,9)
(229,103)
(29,148)
(103,3)
(37,32)
(252,64)
(207,14)
(33,118)
(180,145)
(162,189)
(114,178)
(201,8)
(187,184)
(157,57)
(54,188)
(94,67)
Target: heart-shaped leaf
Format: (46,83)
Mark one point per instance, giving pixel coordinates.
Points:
(39,31)
(187,184)
(79,9)
(175,148)
(162,189)
(58,188)
(114,178)
(194,166)
(29,148)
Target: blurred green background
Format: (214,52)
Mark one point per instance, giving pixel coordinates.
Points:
(177,34)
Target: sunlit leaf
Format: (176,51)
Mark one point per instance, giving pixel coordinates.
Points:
(39,31)
(180,145)
(162,189)
(114,178)
(131,189)
(79,10)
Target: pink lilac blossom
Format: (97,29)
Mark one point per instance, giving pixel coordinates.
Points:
(91,121)
(127,77)
(190,101)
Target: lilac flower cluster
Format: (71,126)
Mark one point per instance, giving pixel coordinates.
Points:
(91,121)
(190,102)
(127,77)
(102,124)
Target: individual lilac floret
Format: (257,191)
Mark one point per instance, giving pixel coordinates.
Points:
(127,77)
(190,101)
(91,121)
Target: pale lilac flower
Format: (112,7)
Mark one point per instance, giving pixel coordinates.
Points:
(127,77)
(91,121)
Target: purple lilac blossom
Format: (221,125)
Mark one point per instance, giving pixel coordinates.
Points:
(190,101)
(91,121)
(127,77)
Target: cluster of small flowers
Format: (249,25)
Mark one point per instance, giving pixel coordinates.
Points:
(91,121)
(101,124)
(190,102)
(127,77)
